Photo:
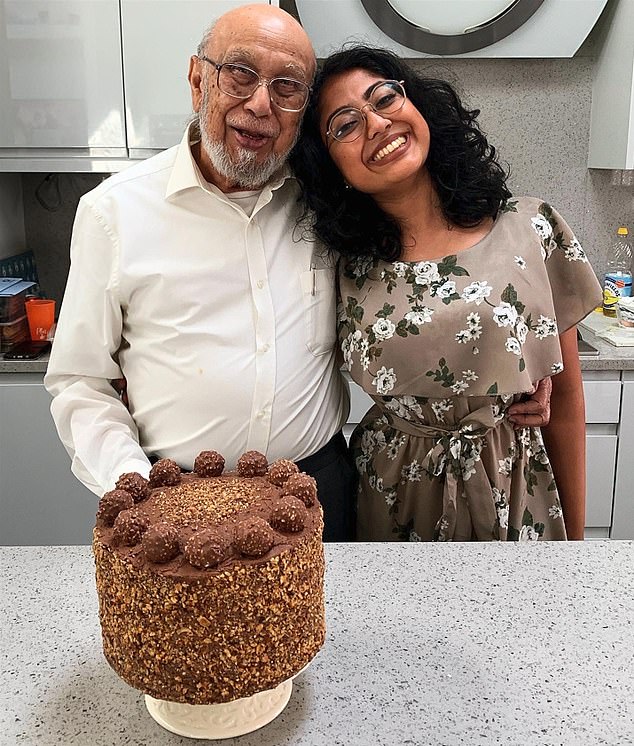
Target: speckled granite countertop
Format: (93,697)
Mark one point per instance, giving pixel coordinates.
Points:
(610,358)
(513,644)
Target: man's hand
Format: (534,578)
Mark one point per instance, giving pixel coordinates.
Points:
(535,411)
(120,385)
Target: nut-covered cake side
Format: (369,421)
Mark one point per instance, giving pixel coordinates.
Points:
(210,586)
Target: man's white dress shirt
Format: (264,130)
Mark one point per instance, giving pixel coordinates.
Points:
(223,324)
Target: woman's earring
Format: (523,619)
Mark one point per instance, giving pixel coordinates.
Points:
(346,185)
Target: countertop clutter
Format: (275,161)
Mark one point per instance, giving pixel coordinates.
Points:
(427,644)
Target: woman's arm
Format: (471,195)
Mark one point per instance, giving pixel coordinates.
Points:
(565,437)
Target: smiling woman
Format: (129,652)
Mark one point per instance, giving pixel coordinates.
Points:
(455,301)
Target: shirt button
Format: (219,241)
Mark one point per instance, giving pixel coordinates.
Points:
(260,284)
(260,415)
(265,348)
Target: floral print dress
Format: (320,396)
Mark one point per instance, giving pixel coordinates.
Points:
(444,348)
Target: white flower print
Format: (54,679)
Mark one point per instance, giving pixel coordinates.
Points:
(412,472)
(367,441)
(502,507)
(541,455)
(505,466)
(384,380)
(395,446)
(426,273)
(524,436)
(505,314)
(542,227)
(555,511)
(413,536)
(362,462)
(473,321)
(512,345)
(574,252)
(521,330)
(421,315)
(346,349)
(440,407)
(463,336)
(475,351)
(376,483)
(476,292)
(520,261)
(445,290)
(503,516)
(383,329)
(364,358)
(546,327)
(390,497)
(469,375)
(404,406)
(379,440)
(528,533)
(459,386)
(556,368)
(400,269)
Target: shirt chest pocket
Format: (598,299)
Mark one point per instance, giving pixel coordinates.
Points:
(318,293)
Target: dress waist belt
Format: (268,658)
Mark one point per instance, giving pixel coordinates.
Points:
(455,458)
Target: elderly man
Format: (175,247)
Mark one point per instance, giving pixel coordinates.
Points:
(189,280)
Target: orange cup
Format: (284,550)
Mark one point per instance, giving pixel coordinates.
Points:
(41,316)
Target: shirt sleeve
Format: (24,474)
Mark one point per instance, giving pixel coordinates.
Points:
(574,285)
(95,427)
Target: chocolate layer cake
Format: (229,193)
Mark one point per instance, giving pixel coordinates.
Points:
(210,585)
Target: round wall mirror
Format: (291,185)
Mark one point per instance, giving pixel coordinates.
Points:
(449,26)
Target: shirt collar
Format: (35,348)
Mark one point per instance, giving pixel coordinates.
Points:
(185,173)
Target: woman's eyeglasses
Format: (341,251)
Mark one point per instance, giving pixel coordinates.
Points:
(240,81)
(347,125)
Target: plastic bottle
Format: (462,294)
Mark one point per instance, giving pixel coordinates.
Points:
(618,278)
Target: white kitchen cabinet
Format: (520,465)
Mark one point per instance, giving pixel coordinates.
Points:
(612,117)
(61,82)
(623,516)
(602,391)
(159,37)
(41,502)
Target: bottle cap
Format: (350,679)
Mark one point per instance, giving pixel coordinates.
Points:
(622,231)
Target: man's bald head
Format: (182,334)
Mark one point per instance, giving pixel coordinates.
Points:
(245,140)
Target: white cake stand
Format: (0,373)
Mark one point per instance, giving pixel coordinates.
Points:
(225,720)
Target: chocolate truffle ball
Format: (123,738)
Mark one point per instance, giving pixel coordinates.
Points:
(252,464)
(281,470)
(209,464)
(111,504)
(160,543)
(253,537)
(135,484)
(205,548)
(289,515)
(301,486)
(165,473)
(128,528)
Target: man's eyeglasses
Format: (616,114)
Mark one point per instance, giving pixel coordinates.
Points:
(240,81)
(347,125)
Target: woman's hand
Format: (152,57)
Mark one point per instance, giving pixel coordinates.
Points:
(534,411)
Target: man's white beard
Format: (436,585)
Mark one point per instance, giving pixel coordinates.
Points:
(242,171)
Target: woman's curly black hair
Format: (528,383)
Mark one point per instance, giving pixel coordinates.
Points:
(469,181)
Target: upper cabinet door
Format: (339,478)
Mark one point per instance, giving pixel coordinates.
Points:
(159,37)
(60,75)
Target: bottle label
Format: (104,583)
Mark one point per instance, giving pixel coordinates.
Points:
(617,285)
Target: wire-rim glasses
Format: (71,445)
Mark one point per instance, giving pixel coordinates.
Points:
(242,82)
(347,125)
